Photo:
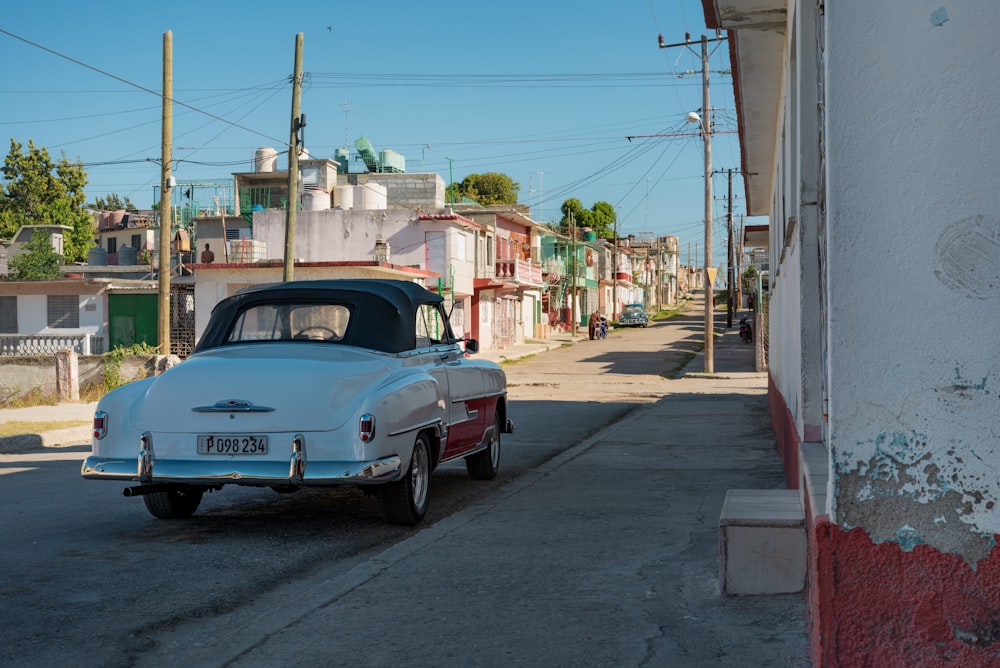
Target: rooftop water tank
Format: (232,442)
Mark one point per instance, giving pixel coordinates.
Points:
(370,197)
(343,197)
(392,161)
(315,200)
(97,257)
(265,159)
(127,256)
(343,158)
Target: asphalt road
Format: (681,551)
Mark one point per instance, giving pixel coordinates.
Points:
(90,579)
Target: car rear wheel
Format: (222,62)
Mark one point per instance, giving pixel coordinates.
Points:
(405,501)
(173,504)
(484,464)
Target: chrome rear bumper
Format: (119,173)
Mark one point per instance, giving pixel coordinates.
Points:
(241,472)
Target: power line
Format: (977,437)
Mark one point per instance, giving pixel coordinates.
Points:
(138,86)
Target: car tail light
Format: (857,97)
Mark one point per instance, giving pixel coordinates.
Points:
(366,428)
(100,424)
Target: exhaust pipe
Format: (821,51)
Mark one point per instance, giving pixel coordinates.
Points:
(146,489)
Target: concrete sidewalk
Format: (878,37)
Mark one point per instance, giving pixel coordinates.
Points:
(38,432)
(607,555)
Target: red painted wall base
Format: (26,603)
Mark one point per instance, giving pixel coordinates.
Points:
(876,605)
(785,433)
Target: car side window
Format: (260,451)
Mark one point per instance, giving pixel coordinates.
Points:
(431,327)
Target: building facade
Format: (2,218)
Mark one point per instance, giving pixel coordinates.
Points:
(868,143)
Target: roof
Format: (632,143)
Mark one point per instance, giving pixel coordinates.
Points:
(756,236)
(383,311)
(757,42)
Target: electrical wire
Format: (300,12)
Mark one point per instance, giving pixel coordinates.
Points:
(138,86)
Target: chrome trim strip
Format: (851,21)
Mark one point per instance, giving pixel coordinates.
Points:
(406,430)
(232,406)
(479,396)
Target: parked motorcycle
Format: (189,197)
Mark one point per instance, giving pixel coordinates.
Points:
(746,329)
(602,328)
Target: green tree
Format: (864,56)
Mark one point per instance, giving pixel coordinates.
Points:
(600,218)
(76,241)
(113,203)
(39,191)
(37,260)
(489,188)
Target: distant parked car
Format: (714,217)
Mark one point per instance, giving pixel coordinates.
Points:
(308,384)
(633,315)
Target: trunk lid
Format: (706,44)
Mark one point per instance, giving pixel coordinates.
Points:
(261,388)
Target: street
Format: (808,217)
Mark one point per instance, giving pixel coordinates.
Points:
(90,578)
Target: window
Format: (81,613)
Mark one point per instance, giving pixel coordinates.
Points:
(272,322)
(112,245)
(431,327)
(63,311)
(8,315)
(136,241)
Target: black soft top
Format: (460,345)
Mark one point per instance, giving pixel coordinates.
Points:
(383,311)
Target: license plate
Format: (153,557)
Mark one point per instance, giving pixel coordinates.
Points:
(232,444)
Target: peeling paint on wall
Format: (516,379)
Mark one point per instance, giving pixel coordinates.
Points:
(900,496)
(934,481)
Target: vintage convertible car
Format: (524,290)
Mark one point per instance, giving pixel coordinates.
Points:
(308,383)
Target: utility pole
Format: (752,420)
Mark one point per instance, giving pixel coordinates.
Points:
(451,182)
(730,269)
(706,128)
(298,122)
(659,273)
(573,313)
(166,183)
(614,272)
(739,265)
(706,123)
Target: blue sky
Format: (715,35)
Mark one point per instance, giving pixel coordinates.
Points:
(544,92)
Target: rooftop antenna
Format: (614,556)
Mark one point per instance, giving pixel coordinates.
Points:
(346,106)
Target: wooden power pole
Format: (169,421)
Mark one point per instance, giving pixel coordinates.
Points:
(166,185)
(731,269)
(298,122)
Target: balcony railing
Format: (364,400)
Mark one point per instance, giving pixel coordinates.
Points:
(49,344)
(519,271)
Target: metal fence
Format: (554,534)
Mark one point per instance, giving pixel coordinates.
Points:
(761,332)
(50,344)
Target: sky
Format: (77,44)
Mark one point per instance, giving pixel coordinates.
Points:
(545,92)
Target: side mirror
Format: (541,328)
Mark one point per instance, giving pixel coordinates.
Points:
(471,346)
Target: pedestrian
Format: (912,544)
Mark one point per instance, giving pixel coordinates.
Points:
(751,302)
(207,256)
(593,324)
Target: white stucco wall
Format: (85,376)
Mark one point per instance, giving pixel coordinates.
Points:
(914,262)
(332,235)
(32,315)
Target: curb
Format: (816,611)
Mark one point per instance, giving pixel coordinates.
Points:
(21,443)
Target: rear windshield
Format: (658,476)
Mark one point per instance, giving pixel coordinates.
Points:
(291,322)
